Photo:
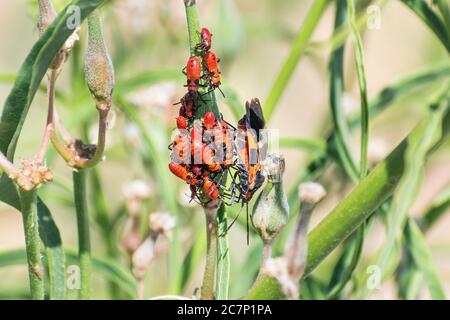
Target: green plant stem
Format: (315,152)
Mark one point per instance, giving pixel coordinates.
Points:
(208,103)
(364,199)
(193,24)
(84,243)
(223,255)
(30,223)
(211,255)
(297,51)
(265,288)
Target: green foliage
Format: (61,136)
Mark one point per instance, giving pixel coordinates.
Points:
(384,192)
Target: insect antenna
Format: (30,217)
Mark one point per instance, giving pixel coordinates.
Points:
(232,223)
(248,225)
(221,91)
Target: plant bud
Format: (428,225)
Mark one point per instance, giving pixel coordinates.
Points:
(143,257)
(99,70)
(271,210)
(32,175)
(161,223)
(311,192)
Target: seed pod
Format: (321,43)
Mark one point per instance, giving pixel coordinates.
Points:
(98,67)
(271,210)
(46,15)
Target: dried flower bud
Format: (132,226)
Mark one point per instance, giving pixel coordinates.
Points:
(136,189)
(311,192)
(143,257)
(99,70)
(161,223)
(31,175)
(271,210)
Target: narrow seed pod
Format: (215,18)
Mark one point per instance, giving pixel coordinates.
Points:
(46,15)
(99,71)
(271,210)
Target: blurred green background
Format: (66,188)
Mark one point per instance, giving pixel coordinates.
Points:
(149,46)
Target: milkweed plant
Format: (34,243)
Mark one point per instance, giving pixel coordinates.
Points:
(143,173)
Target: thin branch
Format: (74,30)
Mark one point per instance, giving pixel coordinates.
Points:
(61,128)
(49,127)
(7,166)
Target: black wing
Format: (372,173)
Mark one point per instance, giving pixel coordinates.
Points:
(254,115)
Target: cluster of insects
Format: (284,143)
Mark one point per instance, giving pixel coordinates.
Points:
(207,151)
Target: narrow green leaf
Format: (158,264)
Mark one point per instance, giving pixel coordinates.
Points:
(31,73)
(378,104)
(140,80)
(432,20)
(359,58)
(193,257)
(242,281)
(336,71)
(409,184)
(223,256)
(229,33)
(51,239)
(109,269)
(16,108)
(371,192)
(314,145)
(352,248)
(313,289)
(402,88)
(357,207)
(296,53)
(439,207)
(49,234)
(13,258)
(346,264)
(421,255)
(444,9)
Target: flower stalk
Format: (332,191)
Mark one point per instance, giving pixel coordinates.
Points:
(207,292)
